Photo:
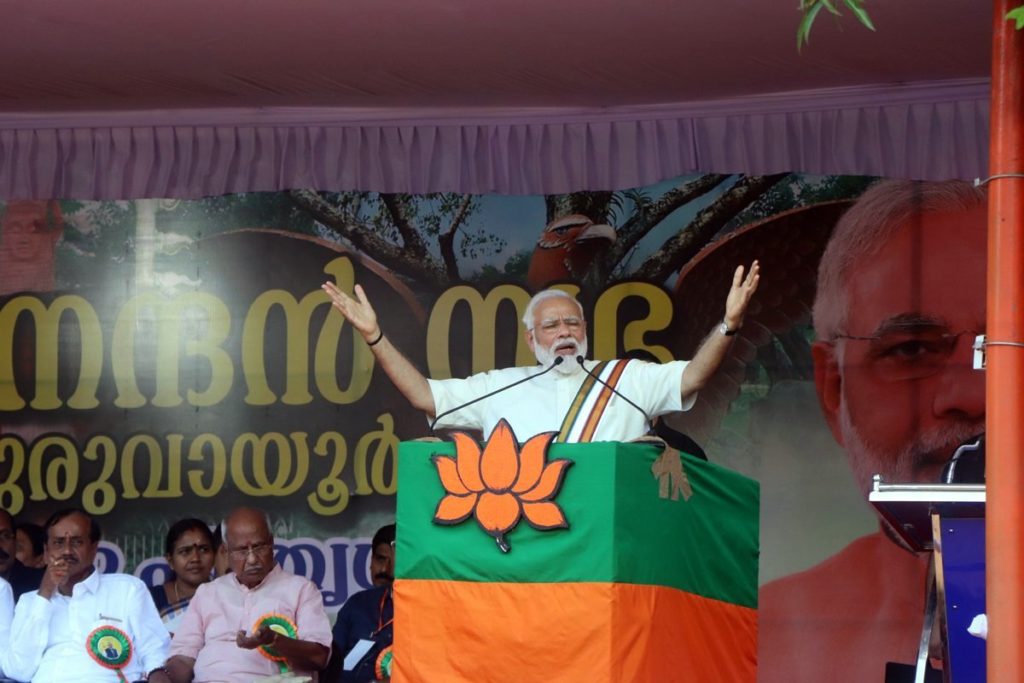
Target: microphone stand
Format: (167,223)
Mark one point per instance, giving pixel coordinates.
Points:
(558,361)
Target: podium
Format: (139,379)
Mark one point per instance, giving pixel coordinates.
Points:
(639,587)
(947,520)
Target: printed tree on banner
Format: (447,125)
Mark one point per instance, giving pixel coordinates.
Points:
(590,237)
(396,230)
(687,236)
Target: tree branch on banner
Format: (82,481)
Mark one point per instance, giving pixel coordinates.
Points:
(652,214)
(364,238)
(446,240)
(685,244)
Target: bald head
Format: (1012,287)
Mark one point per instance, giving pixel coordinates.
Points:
(246,517)
(250,545)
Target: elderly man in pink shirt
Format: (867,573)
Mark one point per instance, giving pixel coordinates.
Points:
(252,623)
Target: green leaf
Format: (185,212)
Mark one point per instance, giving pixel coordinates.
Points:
(830,7)
(803,33)
(858,10)
(1017,15)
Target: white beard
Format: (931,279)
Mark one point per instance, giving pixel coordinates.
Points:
(569,366)
(907,465)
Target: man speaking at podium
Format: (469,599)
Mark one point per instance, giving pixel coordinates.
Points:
(583,400)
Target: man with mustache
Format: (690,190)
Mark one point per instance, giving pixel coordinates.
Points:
(382,561)
(901,296)
(368,615)
(566,400)
(82,621)
(21,578)
(236,623)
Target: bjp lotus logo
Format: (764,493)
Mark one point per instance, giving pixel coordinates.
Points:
(501,483)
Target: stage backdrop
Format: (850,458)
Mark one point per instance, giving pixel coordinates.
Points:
(170,358)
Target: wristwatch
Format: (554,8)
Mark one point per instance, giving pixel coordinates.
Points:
(723,327)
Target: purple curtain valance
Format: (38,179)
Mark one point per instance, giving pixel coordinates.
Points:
(931,130)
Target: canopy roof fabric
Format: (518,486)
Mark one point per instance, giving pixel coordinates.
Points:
(109,98)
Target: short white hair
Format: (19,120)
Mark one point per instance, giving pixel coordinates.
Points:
(544,296)
(224,523)
(864,230)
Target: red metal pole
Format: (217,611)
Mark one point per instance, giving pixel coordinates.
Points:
(1004,376)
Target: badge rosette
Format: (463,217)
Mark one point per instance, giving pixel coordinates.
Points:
(111,648)
(385,663)
(279,624)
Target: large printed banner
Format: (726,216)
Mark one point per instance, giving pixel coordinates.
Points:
(163,359)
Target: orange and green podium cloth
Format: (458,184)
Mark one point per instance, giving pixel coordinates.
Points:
(638,583)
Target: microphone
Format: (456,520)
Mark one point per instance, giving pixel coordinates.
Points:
(579,359)
(558,361)
(967,466)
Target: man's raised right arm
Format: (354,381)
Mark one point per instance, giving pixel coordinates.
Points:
(402,373)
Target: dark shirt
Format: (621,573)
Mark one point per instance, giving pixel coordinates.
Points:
(24,579)
(679,441)
(362,615)
(160,598)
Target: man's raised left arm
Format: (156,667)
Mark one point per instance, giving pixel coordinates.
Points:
(716,345)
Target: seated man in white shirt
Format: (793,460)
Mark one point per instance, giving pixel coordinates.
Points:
(6,614)
(81,624)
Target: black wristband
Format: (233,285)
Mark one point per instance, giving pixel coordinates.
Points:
(377,340)
(162,669)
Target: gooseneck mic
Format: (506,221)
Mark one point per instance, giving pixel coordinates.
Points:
(579,359)
(967,466)
(558,361)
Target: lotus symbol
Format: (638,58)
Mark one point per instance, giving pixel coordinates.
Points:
(501,483)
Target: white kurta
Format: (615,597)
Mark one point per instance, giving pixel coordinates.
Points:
(541,404)
(6,614)
(48,637)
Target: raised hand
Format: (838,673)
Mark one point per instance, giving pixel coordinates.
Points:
(740,293)
(55,576)
(357,311)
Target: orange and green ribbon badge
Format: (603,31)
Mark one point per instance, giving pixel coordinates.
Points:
(385,663)
(279,624)
(111,648)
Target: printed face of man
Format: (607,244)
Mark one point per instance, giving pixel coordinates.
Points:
(902,394)
(24,234)
(558,330)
